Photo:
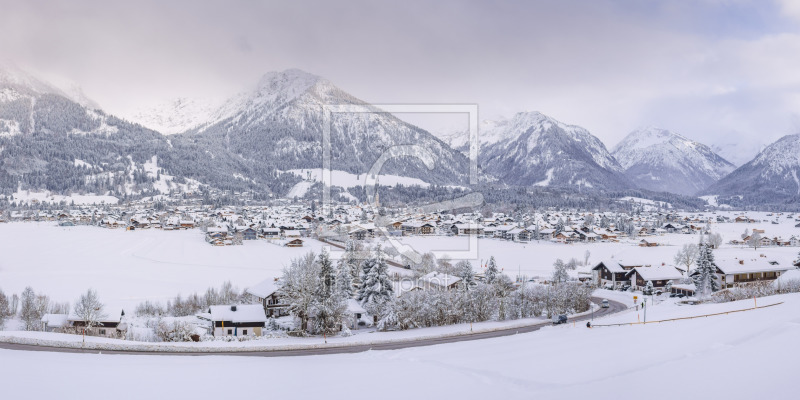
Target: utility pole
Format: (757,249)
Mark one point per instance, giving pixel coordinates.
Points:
(644,307)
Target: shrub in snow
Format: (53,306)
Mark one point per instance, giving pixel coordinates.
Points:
(174,331)
(5,309)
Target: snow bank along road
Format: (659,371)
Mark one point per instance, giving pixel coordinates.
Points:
(614,307)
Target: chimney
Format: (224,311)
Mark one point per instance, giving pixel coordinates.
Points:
(741,262)
(233,308)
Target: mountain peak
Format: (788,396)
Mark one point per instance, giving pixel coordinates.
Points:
(772,177)
(534,149)
(13,77)
(659,159)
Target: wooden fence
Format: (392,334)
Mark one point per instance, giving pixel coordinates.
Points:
(683,318)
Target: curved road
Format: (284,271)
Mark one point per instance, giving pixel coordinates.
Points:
(614,307)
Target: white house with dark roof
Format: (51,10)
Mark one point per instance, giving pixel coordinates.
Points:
(238,320)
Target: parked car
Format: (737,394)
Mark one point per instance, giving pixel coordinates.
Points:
(604,303)
(673,294)
(560,319)
(681,295)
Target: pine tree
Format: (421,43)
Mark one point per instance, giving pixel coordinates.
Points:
(344,280)
(328,306)
(491,271)
(376,291)
(350,263)
(705,272)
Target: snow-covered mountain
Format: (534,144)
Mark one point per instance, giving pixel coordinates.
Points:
(176,116)
(772,177)
(532,149)
(50,142)
(281,120)
(659,160)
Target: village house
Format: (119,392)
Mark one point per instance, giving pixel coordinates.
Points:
(659,275)
(612,273)
(438,281)
(237,320)
(733,272)
(109,325)
(418,228)
(467,229)
(266,293)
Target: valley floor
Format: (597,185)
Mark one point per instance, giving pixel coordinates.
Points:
(744,355)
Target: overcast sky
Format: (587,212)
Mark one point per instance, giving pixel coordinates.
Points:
(724,72)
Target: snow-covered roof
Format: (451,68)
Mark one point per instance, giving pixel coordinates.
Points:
(611,265)
(440,279)
(658,273)
(56,320)
(746,266)
(264,288)
(354,308)
(243,313)
(110,315)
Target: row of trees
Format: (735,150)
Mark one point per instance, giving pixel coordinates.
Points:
(30,307)
(194,303)
(317,294)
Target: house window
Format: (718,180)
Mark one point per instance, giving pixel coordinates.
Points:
(102,331)
(230,331)
(244,332)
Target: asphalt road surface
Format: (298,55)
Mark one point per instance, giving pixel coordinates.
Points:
(614,307)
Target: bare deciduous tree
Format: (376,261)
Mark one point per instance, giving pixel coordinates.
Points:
(687,256)
(89,309)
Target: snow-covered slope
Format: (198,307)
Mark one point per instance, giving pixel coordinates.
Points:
(534,149)
(176,116)
(281,120)
(773,176)
(660,160)
(51,142)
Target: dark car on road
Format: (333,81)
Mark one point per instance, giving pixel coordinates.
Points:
(560,319)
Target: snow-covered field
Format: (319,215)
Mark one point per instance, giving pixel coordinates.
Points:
(743,355)
(127,267)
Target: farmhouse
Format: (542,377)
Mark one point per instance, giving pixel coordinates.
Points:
(109,324)
(741,271)
(237,320)
(612,273)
